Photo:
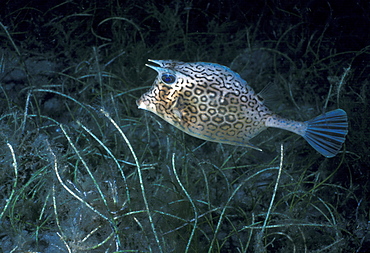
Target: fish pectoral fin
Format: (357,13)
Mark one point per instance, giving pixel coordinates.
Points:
(177,109)
(177,114)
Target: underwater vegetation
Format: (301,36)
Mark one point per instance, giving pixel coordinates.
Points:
(84,170)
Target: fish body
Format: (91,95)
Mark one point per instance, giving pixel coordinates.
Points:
(211,102)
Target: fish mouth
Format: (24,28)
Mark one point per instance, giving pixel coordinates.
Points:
(142,103)
(138,103)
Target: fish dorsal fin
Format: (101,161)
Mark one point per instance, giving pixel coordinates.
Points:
(270,95)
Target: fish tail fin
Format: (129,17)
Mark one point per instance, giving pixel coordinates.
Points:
(326,133)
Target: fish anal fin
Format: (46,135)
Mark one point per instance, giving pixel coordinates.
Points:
(252,146)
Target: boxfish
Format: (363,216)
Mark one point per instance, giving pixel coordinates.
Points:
(211,102)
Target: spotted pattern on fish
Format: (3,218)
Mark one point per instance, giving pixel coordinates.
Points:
(211,102)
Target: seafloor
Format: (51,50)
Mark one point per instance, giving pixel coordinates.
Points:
(84,170)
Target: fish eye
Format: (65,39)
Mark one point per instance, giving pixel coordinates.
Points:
(168,78)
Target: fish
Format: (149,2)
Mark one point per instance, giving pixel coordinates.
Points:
(211,102)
